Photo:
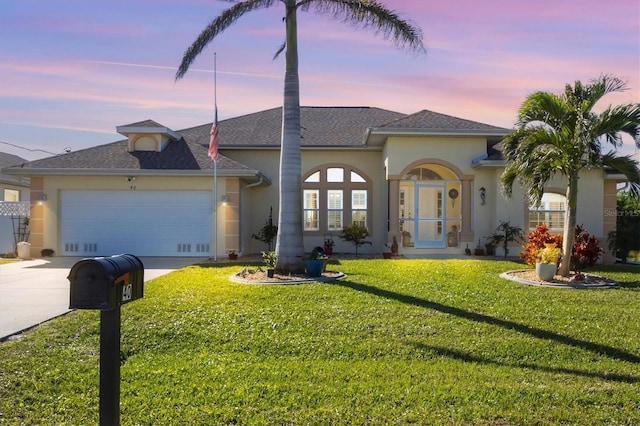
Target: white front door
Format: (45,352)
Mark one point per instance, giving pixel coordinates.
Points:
(429,216)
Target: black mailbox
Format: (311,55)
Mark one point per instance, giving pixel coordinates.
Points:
(106,282)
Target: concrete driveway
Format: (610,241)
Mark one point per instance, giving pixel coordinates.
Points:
(34,291)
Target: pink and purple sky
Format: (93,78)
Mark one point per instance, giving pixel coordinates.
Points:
(73,70)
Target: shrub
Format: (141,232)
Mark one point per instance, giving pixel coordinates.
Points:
(355,234)
(536,241)
(586,250)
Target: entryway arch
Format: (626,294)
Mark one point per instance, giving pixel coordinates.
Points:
(431,202)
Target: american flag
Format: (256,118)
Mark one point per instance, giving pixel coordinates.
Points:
(213,141)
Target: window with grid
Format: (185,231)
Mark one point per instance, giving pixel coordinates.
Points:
(340,197)
(551,212)
(311,209)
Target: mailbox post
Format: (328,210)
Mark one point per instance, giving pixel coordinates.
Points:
(105,284)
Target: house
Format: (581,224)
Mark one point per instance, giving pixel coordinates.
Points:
(14,203)
(429,180)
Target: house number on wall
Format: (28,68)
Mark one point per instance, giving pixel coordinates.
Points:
(132,187)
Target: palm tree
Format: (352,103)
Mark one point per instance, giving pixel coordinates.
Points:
(562,135)
(365,13)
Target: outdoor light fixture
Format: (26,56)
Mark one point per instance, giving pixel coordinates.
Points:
(225,199)
(42,198)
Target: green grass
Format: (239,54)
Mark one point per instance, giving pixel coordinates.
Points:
(396,342)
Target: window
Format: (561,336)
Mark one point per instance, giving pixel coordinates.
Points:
(335,196)
(310,210)
(11,195)
(334,209)
(550,212)
(359,207)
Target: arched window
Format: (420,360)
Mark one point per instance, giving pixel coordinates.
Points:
(550,212)
(333,197)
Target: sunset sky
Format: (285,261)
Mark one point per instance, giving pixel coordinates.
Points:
(73,70)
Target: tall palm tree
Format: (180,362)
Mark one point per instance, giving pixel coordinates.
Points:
(562,135)
(364,13)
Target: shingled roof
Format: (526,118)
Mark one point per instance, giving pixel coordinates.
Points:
(345,127)
(428,122)
(8,160)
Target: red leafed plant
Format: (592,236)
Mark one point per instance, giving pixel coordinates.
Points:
(536,241)
(586,250)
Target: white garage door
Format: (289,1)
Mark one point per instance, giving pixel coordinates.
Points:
(142,223)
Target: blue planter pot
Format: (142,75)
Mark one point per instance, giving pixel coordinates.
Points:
(314,267)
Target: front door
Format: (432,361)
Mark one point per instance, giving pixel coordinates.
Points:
(429,216)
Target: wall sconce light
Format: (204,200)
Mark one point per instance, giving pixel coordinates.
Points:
(483,195)
(42,198)
(224,200)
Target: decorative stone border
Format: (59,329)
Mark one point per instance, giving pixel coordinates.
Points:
(601,284)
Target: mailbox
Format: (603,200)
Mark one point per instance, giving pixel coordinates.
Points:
(106,282)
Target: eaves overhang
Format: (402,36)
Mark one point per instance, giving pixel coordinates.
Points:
(247,174)
(127,130)
(378,135)
(488,164)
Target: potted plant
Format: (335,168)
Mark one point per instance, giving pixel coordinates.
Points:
(328,245)
(479,251)
(547,263)
(232,254)
(387,254)
(315,263)
(270,258)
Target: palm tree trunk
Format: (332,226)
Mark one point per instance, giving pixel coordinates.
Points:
(289,243)
(568,235)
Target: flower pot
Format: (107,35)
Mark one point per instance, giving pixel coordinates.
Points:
(328,250)
(233,256)
(546,271)
(387,255)
(24,250)
(270,273)
(314,267)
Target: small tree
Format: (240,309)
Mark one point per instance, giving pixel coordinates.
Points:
(356,234)
(506,233)
(268,232)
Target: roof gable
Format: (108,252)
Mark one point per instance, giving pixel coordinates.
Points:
(426,121)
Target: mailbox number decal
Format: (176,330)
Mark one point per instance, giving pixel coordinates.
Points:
(127,288)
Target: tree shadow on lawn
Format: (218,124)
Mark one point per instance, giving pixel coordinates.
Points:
(596,348)
(466,357)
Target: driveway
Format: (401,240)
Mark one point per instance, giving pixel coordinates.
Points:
(34,291)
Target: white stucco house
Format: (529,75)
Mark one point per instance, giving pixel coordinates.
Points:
(427,179)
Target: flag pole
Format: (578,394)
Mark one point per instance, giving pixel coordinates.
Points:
(213,153)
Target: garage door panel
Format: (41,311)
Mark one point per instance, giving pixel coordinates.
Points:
(145,223)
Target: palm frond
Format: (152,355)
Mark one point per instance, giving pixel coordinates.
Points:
(624,164)
(217,26)
(371,14)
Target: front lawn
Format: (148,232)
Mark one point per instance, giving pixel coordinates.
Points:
(396,342)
